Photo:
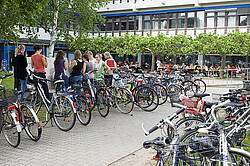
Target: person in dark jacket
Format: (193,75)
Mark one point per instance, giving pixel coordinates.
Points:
(20,72)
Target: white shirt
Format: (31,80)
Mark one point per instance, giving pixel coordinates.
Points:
(93,61)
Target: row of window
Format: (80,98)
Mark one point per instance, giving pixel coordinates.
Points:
(199,19)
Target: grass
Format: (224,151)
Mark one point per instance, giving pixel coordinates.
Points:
(7,82)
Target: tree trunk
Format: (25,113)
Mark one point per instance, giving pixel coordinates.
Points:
(53,34)
(153,62)
(223,64)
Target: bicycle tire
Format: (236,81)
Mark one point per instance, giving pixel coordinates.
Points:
(63,113)
(201,85)
(190,88)
(162,93)
(82,111)
(146,97)
(124,100)
(9,128)
(173,93)
(183,123)
(31,122)
(102,102)
(34,100)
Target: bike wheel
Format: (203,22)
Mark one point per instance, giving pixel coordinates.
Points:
(162,93)
(31,122)
(182,124)
(34,100)
(102,102)
(201,85)
(190,88)
(236,157)
(9,128)
(82,110)
(124,100)
(147,99)
(173,93)
(63,113)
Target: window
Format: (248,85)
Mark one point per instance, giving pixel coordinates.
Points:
(146,22)
(243,20)
(172,20)
(231,18)
(164,22)
(138,23)
(210,19)
(221,19)
(181,20)
(200,19)
(116,24)
(109,24)
(155,21)
(131,23)
(124,23)
(190,20)
(210,22)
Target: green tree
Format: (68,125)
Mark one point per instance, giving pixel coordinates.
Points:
(16,17)
(67,19)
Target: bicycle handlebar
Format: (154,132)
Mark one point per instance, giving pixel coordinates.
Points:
(168,121)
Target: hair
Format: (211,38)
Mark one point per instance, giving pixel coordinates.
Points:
(86,56)
(19,48)
(90,52)
(99,55)
(59,57)
(37,47)
(108,55)
(77,54)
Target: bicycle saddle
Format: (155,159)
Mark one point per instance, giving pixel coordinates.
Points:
(59,82)
(232,104)
(201,95)
(155,142)
(210,104)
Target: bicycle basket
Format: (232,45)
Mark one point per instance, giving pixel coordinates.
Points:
(190,103)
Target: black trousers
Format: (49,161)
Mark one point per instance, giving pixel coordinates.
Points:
(43,83)
(108,80)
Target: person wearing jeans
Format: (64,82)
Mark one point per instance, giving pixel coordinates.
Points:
(20,72)
(77,67)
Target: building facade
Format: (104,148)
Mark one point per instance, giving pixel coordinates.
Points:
(176,17)
(157,16)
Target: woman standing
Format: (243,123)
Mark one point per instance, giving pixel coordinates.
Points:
(108,75)
(87,66)
(39,63)
(76,65)
(99,66)
(20,72)
(60,65)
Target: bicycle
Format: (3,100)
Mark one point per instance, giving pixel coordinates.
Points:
(80,101)
(9,121)
(196,151)
(60,108)
(98,95)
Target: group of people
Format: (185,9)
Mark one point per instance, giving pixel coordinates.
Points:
(212,69)
(82,63)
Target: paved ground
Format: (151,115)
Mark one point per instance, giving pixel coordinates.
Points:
(102,142)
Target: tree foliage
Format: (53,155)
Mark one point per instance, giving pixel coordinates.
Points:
(203,44)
